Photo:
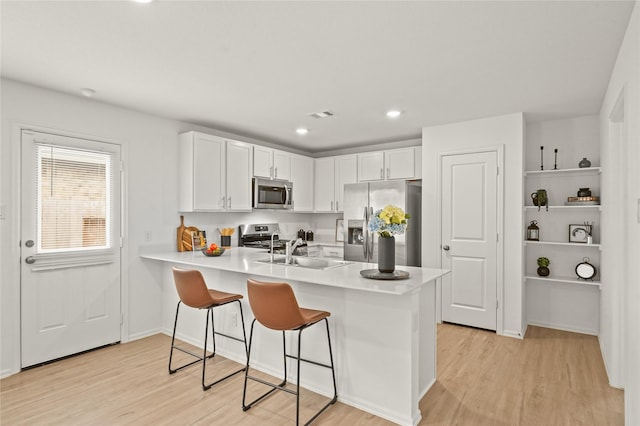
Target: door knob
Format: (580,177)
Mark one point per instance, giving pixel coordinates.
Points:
(30,260)
(446,248)
(29,243)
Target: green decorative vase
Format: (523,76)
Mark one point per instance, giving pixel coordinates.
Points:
(386,254)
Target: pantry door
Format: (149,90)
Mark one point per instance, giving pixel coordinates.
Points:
(469,238)
(70,246)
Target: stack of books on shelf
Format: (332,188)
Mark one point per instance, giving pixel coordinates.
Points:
(582,201)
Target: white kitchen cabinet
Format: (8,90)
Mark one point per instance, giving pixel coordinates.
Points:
(324,185)
(271,163)
(346,172)
(332,251)
(238,176)
(400,163)
(302,177)
(389,165)
(371,166)
(331,174)
(205,183)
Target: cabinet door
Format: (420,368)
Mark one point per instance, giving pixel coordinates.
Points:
(262,162)
(324,184)
(400,163)
(281,165)
(201,172)
(346,172)
(240,164)
(302,178)
(370,166)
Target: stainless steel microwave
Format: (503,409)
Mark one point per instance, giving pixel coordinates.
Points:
(272,194)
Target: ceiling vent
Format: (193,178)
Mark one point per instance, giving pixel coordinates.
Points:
(321,114)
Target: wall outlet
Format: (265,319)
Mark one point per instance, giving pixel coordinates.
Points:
(147,236)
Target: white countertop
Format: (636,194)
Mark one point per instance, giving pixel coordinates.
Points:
(244,260)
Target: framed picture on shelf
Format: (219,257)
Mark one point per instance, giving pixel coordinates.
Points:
(578,233)
(339,230)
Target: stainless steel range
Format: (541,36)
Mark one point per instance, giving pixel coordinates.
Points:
(259,235)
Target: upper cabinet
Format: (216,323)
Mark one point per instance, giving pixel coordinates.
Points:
(271,163)
(402,163)
(205,183)
(302,176)
(331,174)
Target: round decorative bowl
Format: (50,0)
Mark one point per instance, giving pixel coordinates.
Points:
(213,254)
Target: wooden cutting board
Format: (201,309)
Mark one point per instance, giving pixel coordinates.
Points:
(186,238)
(179,232)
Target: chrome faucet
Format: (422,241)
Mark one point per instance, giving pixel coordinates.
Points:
(271,251)
(290,247)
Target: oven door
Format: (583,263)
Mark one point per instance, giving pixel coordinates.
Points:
(270,194)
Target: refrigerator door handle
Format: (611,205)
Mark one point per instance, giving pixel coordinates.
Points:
(365,226)
(369,236)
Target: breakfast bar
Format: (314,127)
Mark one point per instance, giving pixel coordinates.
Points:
(383,331)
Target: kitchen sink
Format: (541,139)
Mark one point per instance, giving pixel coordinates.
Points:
(307,262)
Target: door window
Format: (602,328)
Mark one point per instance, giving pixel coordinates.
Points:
(74,197)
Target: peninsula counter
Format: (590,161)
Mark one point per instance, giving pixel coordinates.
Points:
(383,332)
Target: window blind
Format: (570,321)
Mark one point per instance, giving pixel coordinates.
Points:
(74,199)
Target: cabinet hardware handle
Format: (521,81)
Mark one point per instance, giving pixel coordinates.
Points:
(275,173)
(337,208)
(229,202)
(387,173)
(381,173)
(332,206)
(445,248)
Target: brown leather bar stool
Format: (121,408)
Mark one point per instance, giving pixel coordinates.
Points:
(194,293)
(275,306)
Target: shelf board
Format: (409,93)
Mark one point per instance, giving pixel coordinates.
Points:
(569,280)
(588,207)
(557,243)
(585,170)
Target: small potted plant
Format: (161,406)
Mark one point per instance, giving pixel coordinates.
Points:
(543,266)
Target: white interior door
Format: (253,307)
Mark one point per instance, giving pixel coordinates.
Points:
(469,239)
(70,246)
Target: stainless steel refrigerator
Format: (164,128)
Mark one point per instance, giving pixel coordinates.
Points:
(362,200)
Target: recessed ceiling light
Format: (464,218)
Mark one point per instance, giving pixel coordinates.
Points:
(87,92)
(143,1)
(302,131)
(394,113)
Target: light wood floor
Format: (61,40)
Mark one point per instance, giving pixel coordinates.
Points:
(549,378)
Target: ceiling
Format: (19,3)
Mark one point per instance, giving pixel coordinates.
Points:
(259,68)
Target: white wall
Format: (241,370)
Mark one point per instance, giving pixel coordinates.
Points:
(506,131)
(620,308)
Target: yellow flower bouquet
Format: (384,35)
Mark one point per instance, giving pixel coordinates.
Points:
(389,221)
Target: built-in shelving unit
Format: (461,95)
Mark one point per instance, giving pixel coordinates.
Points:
(562,300)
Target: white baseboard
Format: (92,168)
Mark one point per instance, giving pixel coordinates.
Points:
(514,334)
(142,335)
(564,327)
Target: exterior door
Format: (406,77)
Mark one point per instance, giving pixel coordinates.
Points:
(70,246)
(469,239)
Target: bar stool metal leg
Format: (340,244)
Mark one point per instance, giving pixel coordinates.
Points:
(204,356)
(281,385)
